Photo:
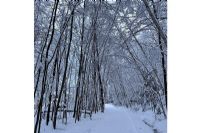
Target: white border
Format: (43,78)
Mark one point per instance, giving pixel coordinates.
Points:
(16,68)
(184,66)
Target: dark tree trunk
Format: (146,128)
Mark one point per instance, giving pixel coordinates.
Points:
(49,108)
(65,71)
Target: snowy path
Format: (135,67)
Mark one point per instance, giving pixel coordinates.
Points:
(114,120)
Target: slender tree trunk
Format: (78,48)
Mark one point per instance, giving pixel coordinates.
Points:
(162,54)
(65,71)
(49,108)
(163,36)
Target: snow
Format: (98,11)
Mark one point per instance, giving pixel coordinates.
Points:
(155,122)
(113,120)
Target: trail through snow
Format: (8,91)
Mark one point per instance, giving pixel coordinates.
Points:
(113,120)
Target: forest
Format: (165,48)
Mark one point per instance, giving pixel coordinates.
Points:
(91,54)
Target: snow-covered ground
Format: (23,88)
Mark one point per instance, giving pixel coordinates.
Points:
(113,120)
